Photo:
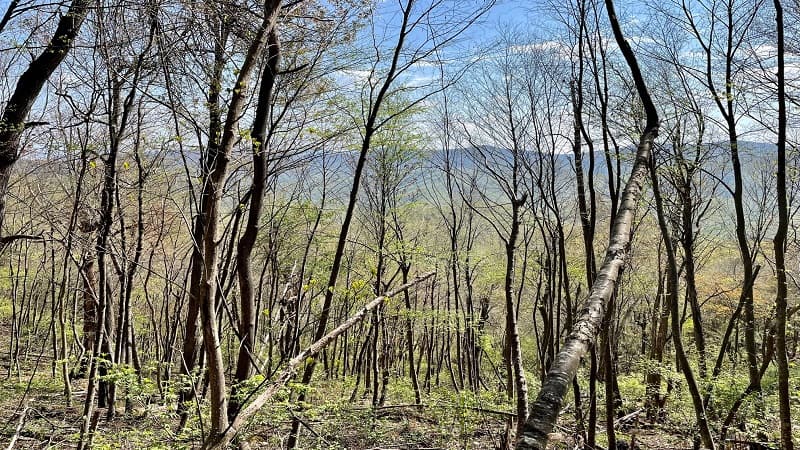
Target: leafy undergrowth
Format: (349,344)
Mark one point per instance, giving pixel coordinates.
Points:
(447,418)
(329,420)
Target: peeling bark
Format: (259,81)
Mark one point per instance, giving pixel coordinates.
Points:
(544,411)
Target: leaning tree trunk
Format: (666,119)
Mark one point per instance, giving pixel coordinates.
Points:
(285,376)
(29,84)
(544,411)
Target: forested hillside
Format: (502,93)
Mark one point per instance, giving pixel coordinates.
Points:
(413,224)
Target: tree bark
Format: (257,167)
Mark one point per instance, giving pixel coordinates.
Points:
(784,397)
(247,314)
(672,300)
(29,84)
(512,332)
(653,403)
(544,411)
(405,268)
(212,193)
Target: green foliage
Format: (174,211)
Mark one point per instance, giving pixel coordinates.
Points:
(6,308)
(136,388)
(632,390)
(727,388)
(135,438)
(246,387)
(460,413)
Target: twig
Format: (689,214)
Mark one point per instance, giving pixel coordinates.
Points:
(20,424)
(7,240)
(303,422)
(627,417)
(291,369)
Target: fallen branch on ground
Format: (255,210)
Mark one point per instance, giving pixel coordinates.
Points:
(20,424)
(291,369)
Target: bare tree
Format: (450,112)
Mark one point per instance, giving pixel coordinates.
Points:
(544,411)
(784,399)
(29,84)
(405,54)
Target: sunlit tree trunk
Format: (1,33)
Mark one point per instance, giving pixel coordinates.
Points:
(784,397)
(544,411)
(26,91)
(259,136)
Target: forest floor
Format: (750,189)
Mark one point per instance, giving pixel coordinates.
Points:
(329,422)
(34,413)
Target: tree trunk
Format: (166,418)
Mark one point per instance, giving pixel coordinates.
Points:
(211,198)
(512,333)
(784,397)
(653,403)
(247,318)
(412,370)
(544,411)
(672,299)
(29,84)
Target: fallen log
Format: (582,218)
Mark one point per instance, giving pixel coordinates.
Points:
(222,440)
